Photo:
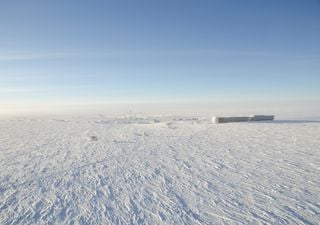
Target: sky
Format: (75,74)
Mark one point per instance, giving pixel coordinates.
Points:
(100,51)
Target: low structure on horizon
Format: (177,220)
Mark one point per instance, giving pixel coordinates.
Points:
(261,117)
(230,119)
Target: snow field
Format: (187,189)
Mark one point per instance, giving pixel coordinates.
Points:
(149,170)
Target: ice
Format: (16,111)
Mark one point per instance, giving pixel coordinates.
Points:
(158,170)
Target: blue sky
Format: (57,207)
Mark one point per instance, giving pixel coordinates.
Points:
(159,51)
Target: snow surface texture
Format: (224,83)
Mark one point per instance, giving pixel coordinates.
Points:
(158,170)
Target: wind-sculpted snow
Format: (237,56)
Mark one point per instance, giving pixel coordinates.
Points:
(158,171)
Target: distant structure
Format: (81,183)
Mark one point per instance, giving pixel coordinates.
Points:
(231,119)
(261,117)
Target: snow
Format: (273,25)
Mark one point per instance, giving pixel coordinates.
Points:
(158,170)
